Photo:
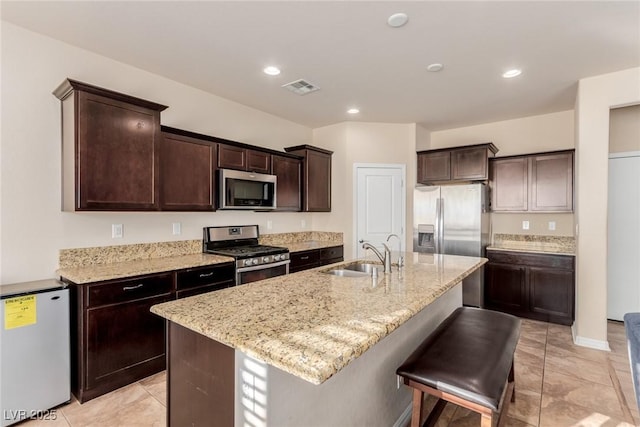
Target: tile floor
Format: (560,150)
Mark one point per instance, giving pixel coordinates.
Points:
(558,384)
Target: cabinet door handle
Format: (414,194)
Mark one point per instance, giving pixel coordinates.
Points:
(130,288)
(304,257)
(206,274)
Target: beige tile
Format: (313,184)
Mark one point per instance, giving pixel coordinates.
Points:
(156,385)
(147,412)
(563,348)
(526,408)
(528,373)
(557,413)
(445,416)
(464,418)
(107,407)
(576,391)
(54,418)
(581,368)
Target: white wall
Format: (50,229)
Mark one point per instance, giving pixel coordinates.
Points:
(534,134)
(32,225)
(352,143)
(596,96)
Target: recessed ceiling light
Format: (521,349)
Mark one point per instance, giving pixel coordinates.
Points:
(435,67)
(511,73)
(271,70)
(353,111)
(397,20)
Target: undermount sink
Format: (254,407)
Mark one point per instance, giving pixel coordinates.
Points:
(355,269)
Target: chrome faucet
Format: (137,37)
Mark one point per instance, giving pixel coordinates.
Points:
(385,259)
(400,257)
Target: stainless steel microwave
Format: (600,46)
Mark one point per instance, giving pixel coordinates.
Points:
(246,190)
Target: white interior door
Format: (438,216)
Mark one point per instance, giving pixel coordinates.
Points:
(379,206)
(623,257)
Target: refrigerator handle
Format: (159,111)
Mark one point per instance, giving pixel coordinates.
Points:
(441,226)
(436,233)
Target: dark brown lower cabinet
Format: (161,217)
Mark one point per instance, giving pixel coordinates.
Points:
(534,286)
(115,339)
(305,260)
(198,280)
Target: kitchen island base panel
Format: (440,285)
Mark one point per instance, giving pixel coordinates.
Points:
(364,393)
(200,380)
(210,381)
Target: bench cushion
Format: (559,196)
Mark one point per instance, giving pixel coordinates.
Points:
(469,355)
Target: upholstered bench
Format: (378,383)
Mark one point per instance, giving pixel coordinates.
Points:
(468,361)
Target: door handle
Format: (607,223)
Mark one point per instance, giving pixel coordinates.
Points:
(130,288)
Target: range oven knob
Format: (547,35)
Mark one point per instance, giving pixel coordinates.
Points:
(276,257)
(266,259)
(250,261)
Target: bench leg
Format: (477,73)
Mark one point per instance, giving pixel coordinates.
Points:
(512,380)
(416,412)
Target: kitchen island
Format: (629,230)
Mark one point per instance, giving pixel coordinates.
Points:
(306,349)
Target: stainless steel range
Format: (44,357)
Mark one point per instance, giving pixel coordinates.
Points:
(253,261)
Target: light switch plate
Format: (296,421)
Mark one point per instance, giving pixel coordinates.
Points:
(117,231)
(269,225)
(303,223)
(177,228)
(525,225)
(552,225)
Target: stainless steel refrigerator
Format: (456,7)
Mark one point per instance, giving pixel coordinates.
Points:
(454,220)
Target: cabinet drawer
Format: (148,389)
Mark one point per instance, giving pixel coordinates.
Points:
(203,289)
(532,260)
(304,260)
(129,289)
(331,253)
(201,276)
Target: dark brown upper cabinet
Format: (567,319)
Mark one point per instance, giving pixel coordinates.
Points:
(288,171)
(509,184)
(245,159)
(187,178)
(533,183)
(551,178)
(459,164)
(316,177)
(109,149)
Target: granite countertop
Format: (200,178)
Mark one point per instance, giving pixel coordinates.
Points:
(118,270)
(553,245)
(551,250)
(311,244)
(311,324)
(112,267)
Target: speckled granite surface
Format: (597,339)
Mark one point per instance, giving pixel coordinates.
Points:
(311,324)
(561,245)
(83,257)
(86,265)
(304,240)
(118,270)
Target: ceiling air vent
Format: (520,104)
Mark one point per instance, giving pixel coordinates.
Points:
(301,87)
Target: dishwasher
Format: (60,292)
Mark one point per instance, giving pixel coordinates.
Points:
(34,350)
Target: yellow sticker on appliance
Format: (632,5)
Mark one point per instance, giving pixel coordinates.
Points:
(19,311)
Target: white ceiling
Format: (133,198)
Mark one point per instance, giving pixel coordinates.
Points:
(348,50)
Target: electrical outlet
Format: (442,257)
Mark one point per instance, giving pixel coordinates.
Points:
(399,381)
(177,228)
(117,231)
(525,225)
(552,225)
(303,223)
(269,225)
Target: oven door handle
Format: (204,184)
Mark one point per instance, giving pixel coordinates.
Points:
(262,266)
